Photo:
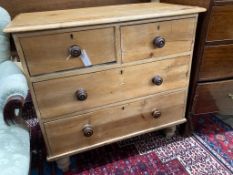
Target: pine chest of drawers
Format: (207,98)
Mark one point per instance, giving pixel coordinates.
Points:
(102,74)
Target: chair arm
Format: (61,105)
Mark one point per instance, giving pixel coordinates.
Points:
(13,91)
(13,104)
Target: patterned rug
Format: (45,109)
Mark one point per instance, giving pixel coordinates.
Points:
(208,152)
(217,137)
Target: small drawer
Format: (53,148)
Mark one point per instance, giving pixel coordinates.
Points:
(214,97)
(101,127)
(221,23)
(158,39)
(82,92)
(217,62)
(47,53)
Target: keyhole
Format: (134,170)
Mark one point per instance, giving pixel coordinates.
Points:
(71,36)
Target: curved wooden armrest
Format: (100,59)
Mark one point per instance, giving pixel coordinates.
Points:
(13,103)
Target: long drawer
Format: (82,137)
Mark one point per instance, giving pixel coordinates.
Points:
(62,96)
(57,51)
(104,126)
(214,97)
(217,62)
(157,39)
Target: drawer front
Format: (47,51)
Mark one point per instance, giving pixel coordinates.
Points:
(221,23)
(214,97)
(115,123)
(110,86)
(138,42)
(51,53)
(217,62)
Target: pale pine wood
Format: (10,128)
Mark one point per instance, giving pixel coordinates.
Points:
(96,15)
(101,67)
(44,120)
(160,127)
(109,86)
(137,40)
(76,70)
(119,94)
(49,53)
(114,123)
(20,52)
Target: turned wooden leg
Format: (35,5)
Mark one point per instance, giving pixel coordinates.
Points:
(169,132)
(64,164)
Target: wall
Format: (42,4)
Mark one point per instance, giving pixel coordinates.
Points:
(15,7)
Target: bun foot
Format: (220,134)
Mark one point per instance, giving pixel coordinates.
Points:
(64,164)
(169,132)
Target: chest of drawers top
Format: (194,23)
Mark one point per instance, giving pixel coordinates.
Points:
(96,15)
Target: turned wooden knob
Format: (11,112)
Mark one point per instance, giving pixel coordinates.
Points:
(75,51)
(156,113)
(81,94)
(159,42)
(157,80)
(88,130)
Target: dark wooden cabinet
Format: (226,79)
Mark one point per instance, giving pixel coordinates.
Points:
(211,85)
(217,62)
(214,97)
(220,26)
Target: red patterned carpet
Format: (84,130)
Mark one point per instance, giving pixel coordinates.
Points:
(208,152)
(216,136)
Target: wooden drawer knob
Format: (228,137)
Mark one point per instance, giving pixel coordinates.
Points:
(88,130)
(156,113)
(75,51)
(81,94)
(159,42)
(157,80)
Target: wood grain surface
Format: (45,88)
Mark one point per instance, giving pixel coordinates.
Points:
(221,23)
(138,47)
(96,15)
(50,53)
(121,96)
(110,86)
(116,123)
(214,97)
(217,62)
